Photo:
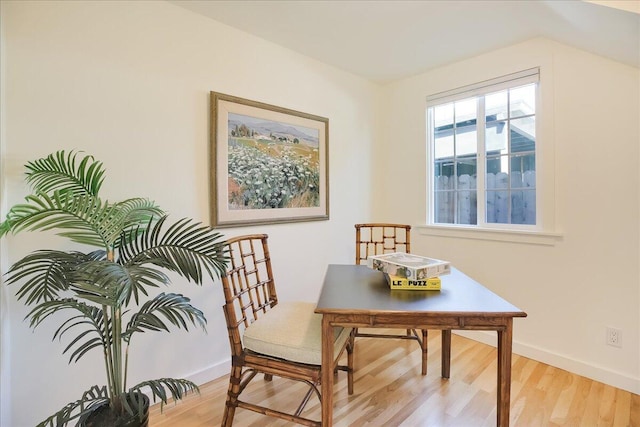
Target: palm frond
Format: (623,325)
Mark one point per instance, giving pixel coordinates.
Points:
(58,171)
(47,273)
(85,346)
(76,217)
(186,247)
(83,219)
(133,214)
(90,320)
(90,400)
(165,388)
(175,308)
(5,228)
(113,284)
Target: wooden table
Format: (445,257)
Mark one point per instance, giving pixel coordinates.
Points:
(357,296)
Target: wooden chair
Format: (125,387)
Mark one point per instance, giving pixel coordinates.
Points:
(274,338)
(381,238)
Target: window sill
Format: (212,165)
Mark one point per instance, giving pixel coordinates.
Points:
(514,236)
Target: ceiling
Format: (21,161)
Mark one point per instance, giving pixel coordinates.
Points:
(388,40)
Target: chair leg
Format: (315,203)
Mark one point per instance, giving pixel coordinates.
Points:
(268,377)
(350,348)
(424,349)
(232,396)
(305,400)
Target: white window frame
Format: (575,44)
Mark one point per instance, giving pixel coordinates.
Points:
(543,231)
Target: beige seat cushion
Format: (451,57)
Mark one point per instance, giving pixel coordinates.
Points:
(292,331)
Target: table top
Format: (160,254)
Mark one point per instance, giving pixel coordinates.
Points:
(359,289)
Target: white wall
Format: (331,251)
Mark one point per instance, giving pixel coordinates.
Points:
(5,368)
(129,83)
(589,279)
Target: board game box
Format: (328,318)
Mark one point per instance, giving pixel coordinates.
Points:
(409,266)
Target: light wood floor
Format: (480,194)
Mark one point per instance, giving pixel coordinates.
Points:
(389,391)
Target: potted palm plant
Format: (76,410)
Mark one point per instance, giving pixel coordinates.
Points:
(105,292)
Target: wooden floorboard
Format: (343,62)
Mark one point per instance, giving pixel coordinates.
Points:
(389,391)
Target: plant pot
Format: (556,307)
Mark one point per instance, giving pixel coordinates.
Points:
(103,416)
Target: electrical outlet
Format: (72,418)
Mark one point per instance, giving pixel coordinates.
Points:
(614,337)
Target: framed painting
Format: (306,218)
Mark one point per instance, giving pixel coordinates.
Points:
(268,164)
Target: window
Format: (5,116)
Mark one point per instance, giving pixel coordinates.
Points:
(482,153)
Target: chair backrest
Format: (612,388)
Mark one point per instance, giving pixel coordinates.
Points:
(249,288)
(381,238)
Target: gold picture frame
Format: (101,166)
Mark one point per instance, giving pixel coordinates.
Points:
(268,164)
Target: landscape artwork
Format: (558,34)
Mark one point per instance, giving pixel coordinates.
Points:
(272,165)
(268,164)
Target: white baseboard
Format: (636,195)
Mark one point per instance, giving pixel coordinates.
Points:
(201,377)
(211,373)
(597,373)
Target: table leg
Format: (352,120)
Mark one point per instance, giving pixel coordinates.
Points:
(327,372)
(446,353)
(505,339)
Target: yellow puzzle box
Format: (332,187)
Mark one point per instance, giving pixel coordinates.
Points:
(429,284)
